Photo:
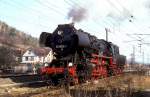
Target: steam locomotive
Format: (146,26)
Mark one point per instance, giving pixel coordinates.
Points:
(80,56)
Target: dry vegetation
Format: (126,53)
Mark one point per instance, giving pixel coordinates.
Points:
(12,43)
(12,37)
(119,86)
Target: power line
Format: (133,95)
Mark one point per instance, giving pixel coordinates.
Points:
(49,7)
(21,7)
(114,6)
(32,11)
(72,3)
(129,15)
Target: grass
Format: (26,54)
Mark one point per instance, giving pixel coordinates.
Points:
(119,86)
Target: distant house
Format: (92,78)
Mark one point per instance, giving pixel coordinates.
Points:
(37,55)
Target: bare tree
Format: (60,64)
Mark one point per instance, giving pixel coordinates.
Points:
(7,57)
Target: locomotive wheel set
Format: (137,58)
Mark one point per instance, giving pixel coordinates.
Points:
(79,56)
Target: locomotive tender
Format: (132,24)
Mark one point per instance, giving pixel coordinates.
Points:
(80,56)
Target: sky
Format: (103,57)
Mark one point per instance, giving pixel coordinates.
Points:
(124,19)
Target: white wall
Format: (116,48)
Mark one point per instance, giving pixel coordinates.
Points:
(36,58)
(28,57)
(49,57)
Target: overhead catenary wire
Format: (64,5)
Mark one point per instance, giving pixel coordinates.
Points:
(45,6)
(141,39)
(132,18)
(129,15)
(32,13)
(73,3)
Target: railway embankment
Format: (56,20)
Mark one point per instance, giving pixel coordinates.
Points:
(127,85)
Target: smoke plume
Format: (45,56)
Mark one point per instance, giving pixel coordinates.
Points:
(77,14)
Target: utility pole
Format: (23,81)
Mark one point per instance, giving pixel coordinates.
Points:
(106,34)
(141,42)
(148,58)
(133,57)
(132,63)
(143,57)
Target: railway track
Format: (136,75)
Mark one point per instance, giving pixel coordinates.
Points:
(37,83)
(27,84)
(63,91)
(17,75)
(26,89)
(80,89)
(50,90)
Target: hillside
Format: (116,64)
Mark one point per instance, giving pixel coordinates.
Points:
(10,36)
(12,45)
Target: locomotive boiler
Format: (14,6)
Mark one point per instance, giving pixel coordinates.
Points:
(66,40)
(81,55)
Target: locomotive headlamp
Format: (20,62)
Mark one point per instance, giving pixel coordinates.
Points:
(70,64)
(60,32)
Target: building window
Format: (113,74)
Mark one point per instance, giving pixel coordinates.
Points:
(32,58)
(29,52)
(26,58)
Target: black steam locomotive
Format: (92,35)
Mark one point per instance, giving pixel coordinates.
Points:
(81,54)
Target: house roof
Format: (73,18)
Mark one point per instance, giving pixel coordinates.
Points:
(40,51)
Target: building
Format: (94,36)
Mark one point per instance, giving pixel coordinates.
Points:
(37,55)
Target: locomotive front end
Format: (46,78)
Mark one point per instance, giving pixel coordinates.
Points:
(63,40)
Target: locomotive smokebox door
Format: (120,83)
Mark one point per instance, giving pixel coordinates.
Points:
(64,40)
